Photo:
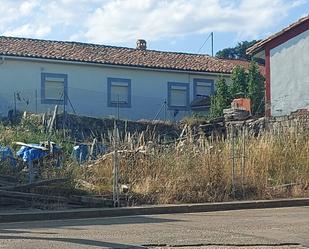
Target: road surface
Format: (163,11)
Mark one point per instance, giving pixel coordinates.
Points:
(263,228)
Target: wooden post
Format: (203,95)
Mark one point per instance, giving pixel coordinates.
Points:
(51,125)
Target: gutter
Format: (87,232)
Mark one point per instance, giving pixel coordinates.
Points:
(10,57)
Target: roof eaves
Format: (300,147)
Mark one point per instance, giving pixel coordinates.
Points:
(257,47)
(115,64)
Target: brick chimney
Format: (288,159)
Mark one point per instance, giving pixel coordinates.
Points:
(141,44)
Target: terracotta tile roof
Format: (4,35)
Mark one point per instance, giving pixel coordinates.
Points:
(259,45)
(101,54)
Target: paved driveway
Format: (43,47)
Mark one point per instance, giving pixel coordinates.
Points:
(262,228)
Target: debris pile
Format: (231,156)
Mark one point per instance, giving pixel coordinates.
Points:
(34,195)
(28,190)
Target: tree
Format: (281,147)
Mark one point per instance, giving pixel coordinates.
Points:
(256,89)
(239,82)
(237,52)
(221,99)
(248,84)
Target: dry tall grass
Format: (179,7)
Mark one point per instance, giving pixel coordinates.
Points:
(200,170)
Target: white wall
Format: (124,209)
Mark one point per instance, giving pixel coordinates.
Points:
(289,75)
(88,88)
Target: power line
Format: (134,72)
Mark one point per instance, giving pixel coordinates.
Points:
(210,35)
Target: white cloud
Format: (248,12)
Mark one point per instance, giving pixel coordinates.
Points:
(123,21)
(29,30)
(27,7)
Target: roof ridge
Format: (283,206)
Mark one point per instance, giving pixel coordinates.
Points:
(102,45)
(114,55)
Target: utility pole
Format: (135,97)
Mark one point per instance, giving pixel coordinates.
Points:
(212,44)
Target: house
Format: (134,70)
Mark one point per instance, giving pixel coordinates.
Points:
(286,55)
(100,81)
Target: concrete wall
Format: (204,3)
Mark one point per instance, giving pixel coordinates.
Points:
(87,88)
(289,75)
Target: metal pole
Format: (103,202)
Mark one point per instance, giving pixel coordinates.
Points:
(243,160)
(64,110)
(233,162)
(165,110)
(118,110)
(64,113)
(116,168)
(36,101)
(15,108)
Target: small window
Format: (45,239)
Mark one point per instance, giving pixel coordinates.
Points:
(178,95)
(54,88)
(203,88)
(119,92)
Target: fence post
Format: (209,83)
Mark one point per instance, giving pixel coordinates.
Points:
(233,161)
(15,108)
(116,168)
(243,160)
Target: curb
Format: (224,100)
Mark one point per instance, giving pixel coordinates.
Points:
(149,210)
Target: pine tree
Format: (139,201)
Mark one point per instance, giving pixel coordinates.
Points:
(250,85)
(239,82)
(221,99)
(256,89)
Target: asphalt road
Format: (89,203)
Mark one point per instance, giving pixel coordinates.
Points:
(262,228)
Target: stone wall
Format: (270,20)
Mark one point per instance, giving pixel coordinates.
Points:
(83,128)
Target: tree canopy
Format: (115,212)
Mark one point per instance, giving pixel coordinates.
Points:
(237,52)
(249,84)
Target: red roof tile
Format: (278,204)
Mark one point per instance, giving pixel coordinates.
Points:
(101,54)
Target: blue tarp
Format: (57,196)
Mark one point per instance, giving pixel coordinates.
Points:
(29,154)
(7,154)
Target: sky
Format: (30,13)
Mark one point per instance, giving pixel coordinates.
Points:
(168,25)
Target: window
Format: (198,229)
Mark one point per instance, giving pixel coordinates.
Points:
(118,92)
(203,88)
(54,88)
(178,95)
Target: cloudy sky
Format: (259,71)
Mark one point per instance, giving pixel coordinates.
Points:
(172,25)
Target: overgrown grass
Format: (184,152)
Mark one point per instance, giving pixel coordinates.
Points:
(275,165)
(193,169)
(30,130)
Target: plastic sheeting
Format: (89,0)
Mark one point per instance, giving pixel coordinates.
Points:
(29,154)
(7,154)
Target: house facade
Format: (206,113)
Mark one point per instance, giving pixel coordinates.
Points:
(286,55)
(105,81)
